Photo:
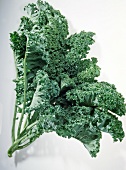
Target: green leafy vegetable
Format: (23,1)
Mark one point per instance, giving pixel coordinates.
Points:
(56,85)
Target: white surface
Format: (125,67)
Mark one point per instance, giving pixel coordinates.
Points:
(107,18)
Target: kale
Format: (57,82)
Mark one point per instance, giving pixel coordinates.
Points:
(56,84)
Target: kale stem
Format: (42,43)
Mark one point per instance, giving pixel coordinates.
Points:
(25,145)
(14,120)
(15,108)
(27,128)
(24,103)
(26,121)
(14,147)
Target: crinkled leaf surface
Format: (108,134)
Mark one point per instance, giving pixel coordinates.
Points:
(61,87)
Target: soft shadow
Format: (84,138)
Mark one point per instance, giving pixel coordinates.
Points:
(46,145)
(72,152)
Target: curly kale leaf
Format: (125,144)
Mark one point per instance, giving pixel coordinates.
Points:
(18,44)
(77,46)
(98,94)
(46,89)
(107,122)
(89,73)
(38,39)
(56,85)
(77,122)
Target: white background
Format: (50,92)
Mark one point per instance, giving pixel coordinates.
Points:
(107,18)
